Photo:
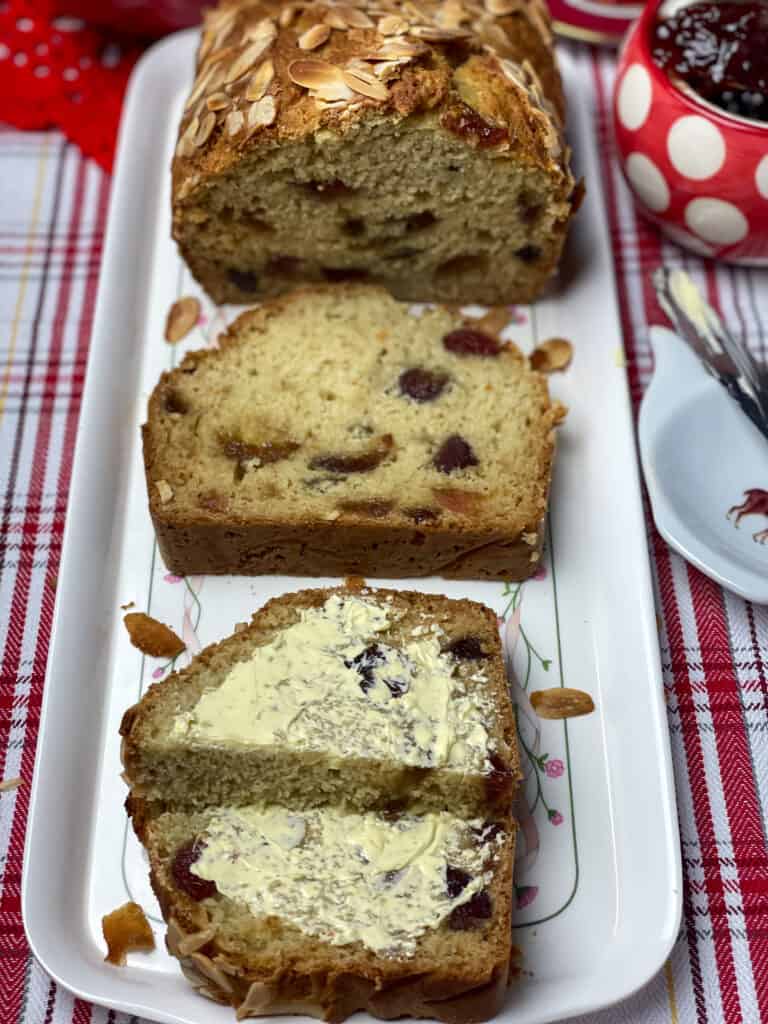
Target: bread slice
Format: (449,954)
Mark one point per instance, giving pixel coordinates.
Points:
(366,698)
(325,912)
(338,432)
(415,146)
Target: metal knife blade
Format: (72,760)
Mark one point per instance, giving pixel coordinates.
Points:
(727,359)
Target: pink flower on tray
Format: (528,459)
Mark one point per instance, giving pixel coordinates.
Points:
(171,577)
(158,673)
(556,817)
(554,768)
(541,572)
(525,895)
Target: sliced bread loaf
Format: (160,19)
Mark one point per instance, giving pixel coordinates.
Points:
(366,698)
(338,432)
(325,912)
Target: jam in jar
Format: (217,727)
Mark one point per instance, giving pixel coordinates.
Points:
(721,51)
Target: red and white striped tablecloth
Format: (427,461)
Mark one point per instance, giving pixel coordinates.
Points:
(53,205)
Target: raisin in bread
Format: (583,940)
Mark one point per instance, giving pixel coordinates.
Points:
(370,698)
(415,146)
(324,912)
(336,431)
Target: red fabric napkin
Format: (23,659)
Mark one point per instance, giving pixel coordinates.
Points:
(56,71)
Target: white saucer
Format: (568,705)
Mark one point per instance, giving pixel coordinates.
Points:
(700,454)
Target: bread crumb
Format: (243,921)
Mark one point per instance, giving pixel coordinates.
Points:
(355,583)
(126,930)
(125,607)
(152,637)
(164,491)
(333,514)
(552,355)
(8,784)
(561,702)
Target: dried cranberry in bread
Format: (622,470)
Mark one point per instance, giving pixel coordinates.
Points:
(361,697)
(325,912)
(337,431)
(418,146)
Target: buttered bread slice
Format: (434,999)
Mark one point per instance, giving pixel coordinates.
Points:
(357,697)
(327,911)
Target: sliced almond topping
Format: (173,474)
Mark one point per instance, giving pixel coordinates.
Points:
(218,101)
(451,14)
(392,49)
(264,29)
(561,702)
(501,7)
(314,37)
(354,17)
(365,84)
(235,122)
(549,356)
(164,491)
(392,25)
(492,322)
(182,317)
(186,144)
(334,19)
(260,81)
(246,60)
(324,79)
(199,87)
(286,16)
(433,34)
(206,127)
(262,113)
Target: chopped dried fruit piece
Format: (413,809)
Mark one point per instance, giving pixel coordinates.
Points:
(245,280)
(471,914)
(467,648)
(465,122)
(454,500)
(374,507)
(455,453)
(152,637)
(466,341)
(356,462)
(561,702)
(262,453)
(182,317)
(126,930)
(422,515)
(456,881)
(422,385)
(549,356)
(365,662)
(195,887)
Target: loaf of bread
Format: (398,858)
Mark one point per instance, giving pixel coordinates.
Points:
(414,145)
(324,912)
(336,431)
(371,699)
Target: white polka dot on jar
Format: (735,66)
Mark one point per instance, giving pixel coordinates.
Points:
(695,147)
(716,221)
(648,182)
(634,97)
(761,177)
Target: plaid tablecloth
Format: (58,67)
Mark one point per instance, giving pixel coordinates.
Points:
(53,205)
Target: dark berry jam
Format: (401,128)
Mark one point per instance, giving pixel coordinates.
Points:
(721,51)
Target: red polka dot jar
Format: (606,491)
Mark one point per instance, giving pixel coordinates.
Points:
(698,172)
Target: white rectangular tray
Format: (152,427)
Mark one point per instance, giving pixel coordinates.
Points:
(598,880)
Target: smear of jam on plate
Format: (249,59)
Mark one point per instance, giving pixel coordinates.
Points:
(721,51)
